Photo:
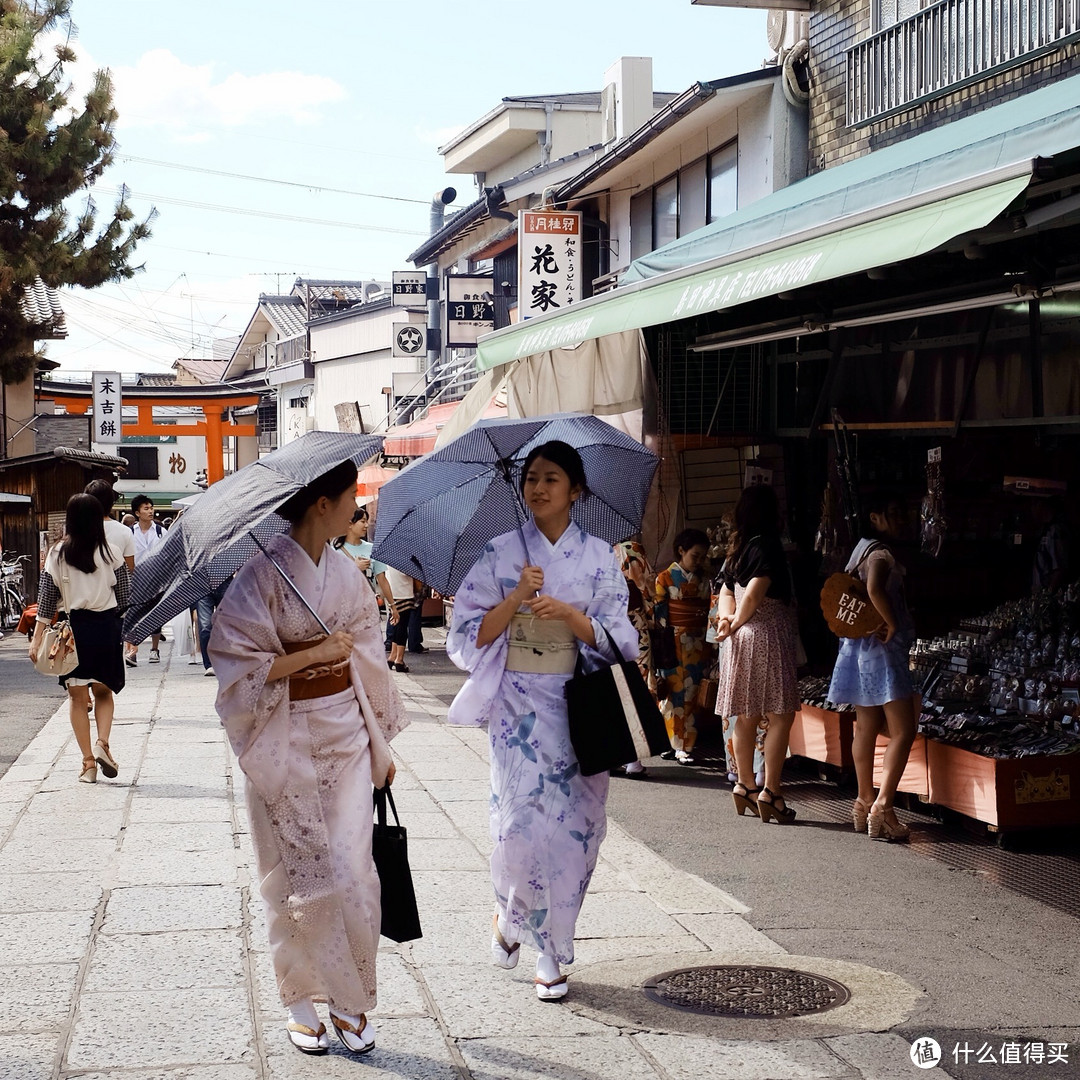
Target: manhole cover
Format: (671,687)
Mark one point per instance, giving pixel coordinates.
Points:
(744,991)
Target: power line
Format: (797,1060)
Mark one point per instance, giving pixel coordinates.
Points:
(270,180)
(131,195)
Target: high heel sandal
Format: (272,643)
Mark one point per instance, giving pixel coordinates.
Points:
(767,808)
(879,827)
(743,801)
(859,812)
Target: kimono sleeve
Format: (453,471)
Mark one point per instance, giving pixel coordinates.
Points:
(608,611)
(485,586)
(243,645)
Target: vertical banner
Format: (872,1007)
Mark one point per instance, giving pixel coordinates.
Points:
(549,261)
(106,386)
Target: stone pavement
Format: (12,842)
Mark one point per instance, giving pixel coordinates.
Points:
(133,946)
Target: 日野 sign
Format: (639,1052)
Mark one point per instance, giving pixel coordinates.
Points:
(549,261)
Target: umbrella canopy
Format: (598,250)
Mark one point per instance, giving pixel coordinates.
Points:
(215,537)
(371,478)
(437,515)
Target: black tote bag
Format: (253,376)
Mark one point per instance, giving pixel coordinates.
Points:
(613,717)
(389,847)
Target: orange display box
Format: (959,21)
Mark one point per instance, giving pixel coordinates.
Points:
(822,735)
(1006,793)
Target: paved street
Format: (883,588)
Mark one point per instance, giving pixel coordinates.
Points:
(133,942)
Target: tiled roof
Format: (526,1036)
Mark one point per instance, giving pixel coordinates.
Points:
(157,379)
(40,306)
(287,313)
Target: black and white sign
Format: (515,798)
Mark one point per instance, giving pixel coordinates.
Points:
(106,396)
(470,309)
(549,261)
(409,339)
(410,288)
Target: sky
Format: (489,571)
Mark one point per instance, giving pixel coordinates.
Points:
(281,140)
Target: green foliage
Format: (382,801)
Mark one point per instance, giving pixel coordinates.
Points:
(49,153)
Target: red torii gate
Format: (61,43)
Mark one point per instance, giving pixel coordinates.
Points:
(213,399)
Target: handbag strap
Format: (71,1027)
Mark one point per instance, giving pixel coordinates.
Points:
(874,545)
(62,566)
(380,796)
(579,667)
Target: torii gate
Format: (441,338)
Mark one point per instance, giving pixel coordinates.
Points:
(213,399)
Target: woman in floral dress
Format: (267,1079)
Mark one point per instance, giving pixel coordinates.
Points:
(682,602)
(536,598)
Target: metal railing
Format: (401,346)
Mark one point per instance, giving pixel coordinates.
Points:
(947,45)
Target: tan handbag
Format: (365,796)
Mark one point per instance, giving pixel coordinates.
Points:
(57,655)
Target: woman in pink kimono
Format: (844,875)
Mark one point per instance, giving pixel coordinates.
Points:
(310,718)
(519,625)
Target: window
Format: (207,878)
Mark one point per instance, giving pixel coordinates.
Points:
(886,13)
(723,181)
(641,224)
(142,462)
(666,212)
(693,197)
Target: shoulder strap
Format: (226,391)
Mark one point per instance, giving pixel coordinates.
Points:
(158,528)
(866,554)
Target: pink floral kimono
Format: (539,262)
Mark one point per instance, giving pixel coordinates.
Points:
(309,766)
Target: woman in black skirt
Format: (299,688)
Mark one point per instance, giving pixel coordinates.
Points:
(86,577)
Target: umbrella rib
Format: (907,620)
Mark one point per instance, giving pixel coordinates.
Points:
(289,582)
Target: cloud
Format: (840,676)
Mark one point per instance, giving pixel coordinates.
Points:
(162,91)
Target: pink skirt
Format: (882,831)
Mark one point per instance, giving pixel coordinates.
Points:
(757,664)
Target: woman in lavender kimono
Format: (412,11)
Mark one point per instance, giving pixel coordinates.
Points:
(535,599)
(310,718)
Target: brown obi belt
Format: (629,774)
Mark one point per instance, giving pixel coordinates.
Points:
(320,680)
(541,646)
(691,614)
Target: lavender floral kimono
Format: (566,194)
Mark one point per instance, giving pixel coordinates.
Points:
(547,820)
(309,766)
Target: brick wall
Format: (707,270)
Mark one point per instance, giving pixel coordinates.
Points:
(837,25)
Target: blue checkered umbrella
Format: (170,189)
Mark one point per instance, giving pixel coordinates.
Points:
(436,517)
(229,523)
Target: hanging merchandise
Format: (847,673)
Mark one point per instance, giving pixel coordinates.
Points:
(827,538)
(932,512)
(847,469)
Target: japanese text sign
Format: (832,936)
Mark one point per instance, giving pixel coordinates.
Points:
(410,288)
(549,261)
(106,398)
(470,309)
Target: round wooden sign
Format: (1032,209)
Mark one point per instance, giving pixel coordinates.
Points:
(847,607)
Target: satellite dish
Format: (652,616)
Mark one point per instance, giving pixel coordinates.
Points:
(775,27)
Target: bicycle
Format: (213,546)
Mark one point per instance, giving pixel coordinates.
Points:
(12,598)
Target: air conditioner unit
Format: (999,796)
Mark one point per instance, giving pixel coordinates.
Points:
(785,29)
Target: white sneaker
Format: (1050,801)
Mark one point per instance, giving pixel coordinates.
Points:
(209,672)
(155,656)
(681,756)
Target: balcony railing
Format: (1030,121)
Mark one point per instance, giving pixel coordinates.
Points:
(950,44)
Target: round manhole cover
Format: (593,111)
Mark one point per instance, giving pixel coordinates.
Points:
(744,991)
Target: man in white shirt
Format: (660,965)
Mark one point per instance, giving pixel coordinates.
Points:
(147,534)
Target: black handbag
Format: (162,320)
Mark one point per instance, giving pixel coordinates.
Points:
(389,847)
(613,717)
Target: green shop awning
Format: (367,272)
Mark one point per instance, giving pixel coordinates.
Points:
(738,278)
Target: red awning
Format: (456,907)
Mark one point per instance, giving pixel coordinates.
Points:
(418,438)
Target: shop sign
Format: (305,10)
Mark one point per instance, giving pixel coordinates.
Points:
(106,400)
(409,339)
(756,475)
(470,309)
(1034,485)
(409,288)
(549,261)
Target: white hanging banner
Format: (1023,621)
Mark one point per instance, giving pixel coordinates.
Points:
(549,261)
(106,398)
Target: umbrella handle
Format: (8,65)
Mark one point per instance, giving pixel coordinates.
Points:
(289,582)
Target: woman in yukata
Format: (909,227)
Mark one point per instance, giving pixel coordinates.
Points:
(682,602)
(310,717)
(536,598)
